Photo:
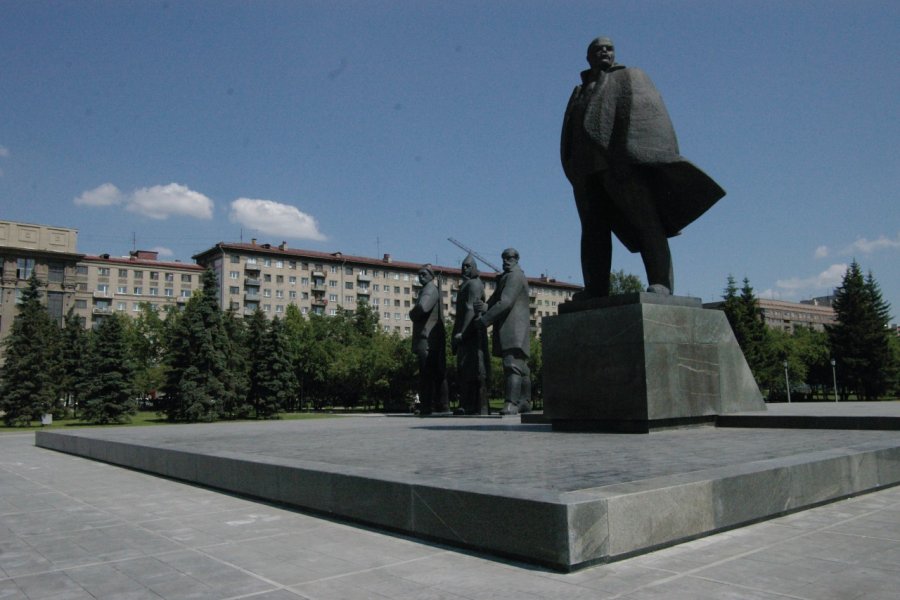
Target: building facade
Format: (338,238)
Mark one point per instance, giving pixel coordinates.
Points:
(107,284)
(50,253)
(250,277)
(788,316)
(272,277)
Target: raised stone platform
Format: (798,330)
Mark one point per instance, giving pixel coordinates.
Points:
(563,500)
(641,362)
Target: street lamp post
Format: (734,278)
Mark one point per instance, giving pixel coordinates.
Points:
(834,378)
(787,381)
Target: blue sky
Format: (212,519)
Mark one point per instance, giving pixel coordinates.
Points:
(387,127)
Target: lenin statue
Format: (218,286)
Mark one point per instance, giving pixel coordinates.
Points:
(620,154)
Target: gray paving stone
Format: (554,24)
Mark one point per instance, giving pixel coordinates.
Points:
(578,500)
(828,551)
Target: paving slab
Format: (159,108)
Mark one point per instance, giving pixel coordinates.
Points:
(836,550)
(564,500)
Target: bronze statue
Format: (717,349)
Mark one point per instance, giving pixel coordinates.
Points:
(620,154)
(508,312)
(428,344)
(469,342)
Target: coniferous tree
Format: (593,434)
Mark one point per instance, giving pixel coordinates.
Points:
(74,345)
(759,354)
(29,379)
(859,338)
(235,402)
(278,384)
(745,317)
(257,361)
(197,380)
(110,375)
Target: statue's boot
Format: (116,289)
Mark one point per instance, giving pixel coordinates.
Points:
(523,401)
(513,394)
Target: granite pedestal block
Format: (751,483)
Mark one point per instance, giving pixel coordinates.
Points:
(641,362)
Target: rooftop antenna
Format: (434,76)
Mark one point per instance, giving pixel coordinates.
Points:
(473,253)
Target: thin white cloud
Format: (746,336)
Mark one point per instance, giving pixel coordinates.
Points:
(827,279)
(103,195)
(865,246)
(157,202)
(163,201)
(275,218)
(821,252)
(162,251)
(4,152)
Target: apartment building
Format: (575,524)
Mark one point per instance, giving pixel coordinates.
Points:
(106,284)
(42,249)
(272,277)
(250,276)
(788,316)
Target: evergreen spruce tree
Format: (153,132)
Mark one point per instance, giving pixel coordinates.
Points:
(110,372)
(759,352)
(278,383)
(197,379)
(746,319)
(29,379)
(257,361)
(859,338)
(74,345)
(235,403)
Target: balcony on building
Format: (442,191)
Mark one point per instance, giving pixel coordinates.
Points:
(319,301)
(252,281)
(363,277)
(100,294)
(102,310)
(251,296)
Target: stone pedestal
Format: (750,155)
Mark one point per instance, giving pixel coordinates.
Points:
(639,362)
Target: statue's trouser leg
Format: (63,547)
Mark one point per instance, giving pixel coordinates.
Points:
(596,236)
(518,381)
(634,199)
(441,393)
(481,402)
(426,387)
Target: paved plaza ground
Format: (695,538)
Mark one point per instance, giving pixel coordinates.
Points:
(72,528)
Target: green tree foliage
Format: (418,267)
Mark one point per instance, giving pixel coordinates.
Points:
(74,345)
(621,282)
(746,320)
(198,384)
(29,382)
(278,385)
(236,403)
(255,340)
(860,338)
(146,335)
(109,396)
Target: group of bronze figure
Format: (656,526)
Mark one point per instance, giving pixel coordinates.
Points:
(506,311)
(620,154)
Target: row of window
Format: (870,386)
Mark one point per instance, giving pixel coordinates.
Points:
(305,266)
(138,290)
(136,274)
